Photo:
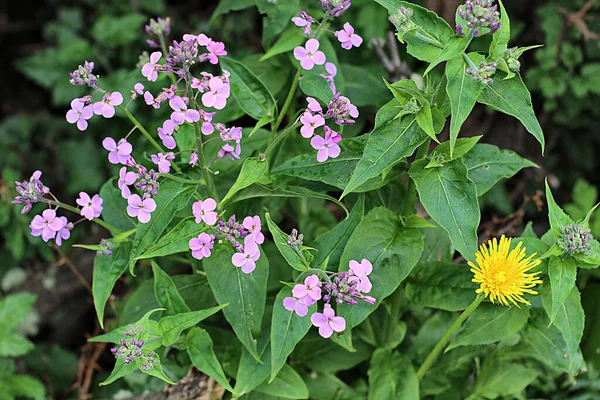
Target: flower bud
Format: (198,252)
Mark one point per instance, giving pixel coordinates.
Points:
(575,239)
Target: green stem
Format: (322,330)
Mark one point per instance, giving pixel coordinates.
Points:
(286,104)
(411,190)
(428,38)
(185,181)
(470,62)
(145,133)
(442,342)
(108,227)
(280,137)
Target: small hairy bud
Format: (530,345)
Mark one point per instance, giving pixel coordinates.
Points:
(575,239)
(511,56)
(484,73)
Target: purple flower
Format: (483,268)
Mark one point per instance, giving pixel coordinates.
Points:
(46,225)
(207,126)
(215,49)
(310,288)
(150,69)
(106,107)
(233,153)
(201,39)
(126,179)
(340,109)
(204,210)
(304,21)
(217,94)
(79,113)
(254,226)
(201,246)
(247,258)
(165,133)
(83,75)
(360,272)
(348,38)
(139,88)
(91,207)
(296,304)
(330,75)
(30,192)
(194,159)
(65,232)
(118,153)
(309,123)
(181,113)
(327,322)
(313,105)
(151,101)
(163,161)
(309,55)
(140,208)
(327,147)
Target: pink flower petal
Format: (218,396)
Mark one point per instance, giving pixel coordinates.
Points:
(338,324)
(144,216)
(238,259)
(312,45)
(325,331)
(319,58)
(72,116)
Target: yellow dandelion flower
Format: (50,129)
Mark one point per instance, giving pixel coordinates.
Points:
(502,273)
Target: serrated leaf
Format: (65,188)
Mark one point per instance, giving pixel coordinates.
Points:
(287,329)
(281,241)
(171,197)
(487,164)
(441,285)
(166,292)
(490,323)
(390,142)
(199,346)
(176,240)
(248,90)
(251,172)
(245,294)
(462,93)
(171,327)
(107,270)
(512,97)
(450,198)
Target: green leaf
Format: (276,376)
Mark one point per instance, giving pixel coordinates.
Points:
(156,371)
(502,36)
(281,241)
(171,197)
(287,329)
(14,309)
(512,97)
(364,88)
(107,270)
(441,285)
(570,320)
(503,379)
(199,346)
(166,292)
(425,120)
(23,386)
(392,376)
(441,154)
(331,244)
(549,346)
(487,164)
(314,85)
(392,249)
(249,91)
(462,93)
(175,241)
(453,48)
(562,274)
(276,17)
(120,370)
(288,384)
(432,27)
(114,210)
(251,370)
(245,294)
(450,198)
(557,217)
(171,327)
(226,6)
(390,142)
(290,38)
(490,323)
(13,344)
(252,170)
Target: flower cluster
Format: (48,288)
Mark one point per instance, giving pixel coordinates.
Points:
(575,239)
(339,109)
(402,20)
(483,73)
(249,231)
(131,349)
(159,29)
(341,288)
(51,226)
(30,192)
(478,15)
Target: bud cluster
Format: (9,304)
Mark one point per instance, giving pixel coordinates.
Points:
(295,240)
(575,239)
(30,192)
(130,349)
(83,75)
(232,231)
(335,8)
(344,289)
(402,20)
(511,56)
(105,248)
(484,73)
(479,14)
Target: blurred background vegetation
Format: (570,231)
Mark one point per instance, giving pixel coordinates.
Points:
(42,41)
